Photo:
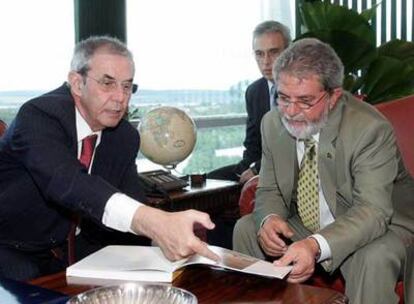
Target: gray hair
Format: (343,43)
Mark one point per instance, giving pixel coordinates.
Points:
(85,50)
(271,26)
(310,56)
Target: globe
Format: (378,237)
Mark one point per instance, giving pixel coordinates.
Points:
(168,136)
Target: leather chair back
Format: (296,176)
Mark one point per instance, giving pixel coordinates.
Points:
(400,113)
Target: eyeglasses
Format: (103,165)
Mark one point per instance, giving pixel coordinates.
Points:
(286,102)
(110,85)
(261,55)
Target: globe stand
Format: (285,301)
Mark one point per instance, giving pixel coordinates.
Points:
(172,169)
(169,168)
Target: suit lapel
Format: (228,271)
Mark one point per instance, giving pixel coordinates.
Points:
(71,123)
(327,155)
(264,97)
(103,162)
(285,159)
(65,109)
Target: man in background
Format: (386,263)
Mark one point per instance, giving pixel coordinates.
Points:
(332,182)
(70,151)
(270,38)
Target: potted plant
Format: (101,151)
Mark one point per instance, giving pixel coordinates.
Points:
(379,73)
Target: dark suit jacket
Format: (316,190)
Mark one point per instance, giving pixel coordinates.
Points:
(257,104)
(42,181)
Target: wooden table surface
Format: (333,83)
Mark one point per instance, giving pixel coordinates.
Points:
(220,286)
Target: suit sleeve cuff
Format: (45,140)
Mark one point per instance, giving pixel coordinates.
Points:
(266,217)
(324,247)
(119,212)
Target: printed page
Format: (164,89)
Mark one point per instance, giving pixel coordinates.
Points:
(239,262)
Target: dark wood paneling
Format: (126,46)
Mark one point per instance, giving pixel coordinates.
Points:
(100,17)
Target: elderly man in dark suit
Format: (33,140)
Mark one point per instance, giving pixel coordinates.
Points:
(332,182)
(270,38)
(70,150)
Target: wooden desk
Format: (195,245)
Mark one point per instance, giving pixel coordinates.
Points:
(216,286)
(215,197)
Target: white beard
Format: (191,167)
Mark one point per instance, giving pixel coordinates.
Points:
(311,128)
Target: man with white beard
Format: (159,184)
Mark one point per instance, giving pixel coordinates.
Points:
(332,184)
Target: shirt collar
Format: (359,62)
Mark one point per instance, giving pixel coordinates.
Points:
(314,136)
(83,130)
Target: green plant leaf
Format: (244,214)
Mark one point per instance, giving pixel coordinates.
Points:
(370,13)
(400,49)
(395,92)
(349,82)
(381,73)
(387,76)
(359,82)
(325,16)
(355,53)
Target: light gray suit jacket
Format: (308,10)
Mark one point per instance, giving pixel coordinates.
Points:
(358,163)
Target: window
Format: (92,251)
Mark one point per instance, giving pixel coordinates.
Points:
(36,50)
(197,55)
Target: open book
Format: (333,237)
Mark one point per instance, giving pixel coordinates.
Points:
(139,263)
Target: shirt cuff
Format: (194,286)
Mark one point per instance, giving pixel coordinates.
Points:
(252,167)
(119,212)
(323,246)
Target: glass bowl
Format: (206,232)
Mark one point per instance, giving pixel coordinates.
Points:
(135,293)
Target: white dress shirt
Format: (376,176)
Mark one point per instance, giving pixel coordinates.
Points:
(120,208)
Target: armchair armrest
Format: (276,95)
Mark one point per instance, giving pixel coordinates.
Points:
(247,196)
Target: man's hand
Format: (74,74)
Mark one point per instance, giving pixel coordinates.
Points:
(246,175)
(271,236)
(173,232)
(302,255)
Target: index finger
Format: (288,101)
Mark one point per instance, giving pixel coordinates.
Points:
(271,239)
(285,260)
(201,248)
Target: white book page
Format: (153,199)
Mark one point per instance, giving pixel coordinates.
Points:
(147,258)
(119,260)
(123,258)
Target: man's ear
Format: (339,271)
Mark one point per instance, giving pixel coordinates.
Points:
(76,82)
(336,94)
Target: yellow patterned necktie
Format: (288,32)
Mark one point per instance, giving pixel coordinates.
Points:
(308,187)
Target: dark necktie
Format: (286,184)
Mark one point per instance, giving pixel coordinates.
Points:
(272,96)
(88,145)
(308,188)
